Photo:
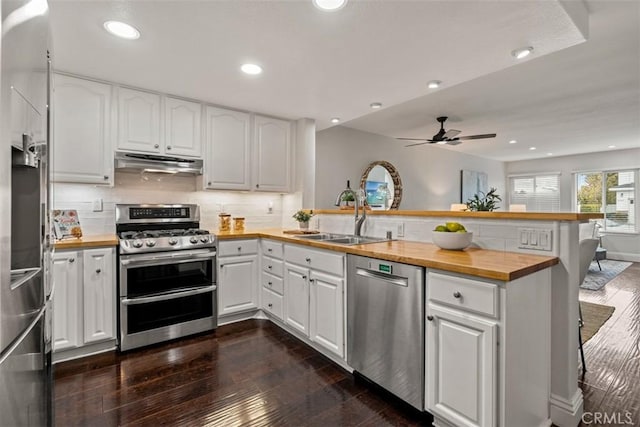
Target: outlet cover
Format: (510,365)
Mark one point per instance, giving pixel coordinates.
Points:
(97,205)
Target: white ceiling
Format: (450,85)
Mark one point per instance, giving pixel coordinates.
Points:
(321,65)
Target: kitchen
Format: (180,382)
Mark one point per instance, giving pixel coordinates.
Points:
(307,162)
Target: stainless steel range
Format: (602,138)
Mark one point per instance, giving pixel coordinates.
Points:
(167,282)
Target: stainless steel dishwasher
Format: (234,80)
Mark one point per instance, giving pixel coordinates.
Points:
(385,325)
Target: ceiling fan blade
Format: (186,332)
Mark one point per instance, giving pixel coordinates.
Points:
(414,139)
(483,136)
(418,143)
(451,133)
(455,141)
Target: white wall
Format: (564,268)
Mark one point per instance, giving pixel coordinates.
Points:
(430,174)
(619,246)
(157,188)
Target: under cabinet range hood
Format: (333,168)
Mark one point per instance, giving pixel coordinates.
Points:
(154,163)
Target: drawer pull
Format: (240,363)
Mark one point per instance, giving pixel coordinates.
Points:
(304,277)
(312,280)
(457,294)
(308,259)
(269,267)
(72,260)
(269,250)
(430,318)
(239,248)
(98,271)
(270,283)
(270,305)
(156,145)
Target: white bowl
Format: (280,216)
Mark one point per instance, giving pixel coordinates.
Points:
(452,241)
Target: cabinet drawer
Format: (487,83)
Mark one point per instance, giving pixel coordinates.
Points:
(272,249)
(274,283)
(330,262)
(238,247)
(272,303)
(466,294)
(273,266)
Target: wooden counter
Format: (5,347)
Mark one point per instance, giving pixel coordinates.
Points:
(498,265)
(535,216)
(100,240)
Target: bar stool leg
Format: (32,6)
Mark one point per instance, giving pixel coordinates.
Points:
(580,324)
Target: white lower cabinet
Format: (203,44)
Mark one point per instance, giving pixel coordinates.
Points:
(237,277)
(314,295)
(84,302)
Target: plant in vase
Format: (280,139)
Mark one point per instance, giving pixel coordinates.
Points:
(348,199)
(488,202)
(303,217)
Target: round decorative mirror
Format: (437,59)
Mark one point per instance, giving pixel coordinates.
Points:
(382,185)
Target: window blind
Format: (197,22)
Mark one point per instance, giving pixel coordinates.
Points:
(540,193)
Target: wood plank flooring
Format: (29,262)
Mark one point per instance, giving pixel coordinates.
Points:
(253,373)
(248,373)
(612,382)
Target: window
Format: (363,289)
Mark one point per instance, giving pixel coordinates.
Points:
(612,193)
(540,193)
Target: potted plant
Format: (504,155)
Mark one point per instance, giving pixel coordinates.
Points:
(349,199)
(303,217)
(488,202)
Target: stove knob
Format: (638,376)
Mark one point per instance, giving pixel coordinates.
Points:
(151,243)
(173,241)
(137,243)
(204,239)
(193,240)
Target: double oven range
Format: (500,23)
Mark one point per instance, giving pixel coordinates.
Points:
(166,274)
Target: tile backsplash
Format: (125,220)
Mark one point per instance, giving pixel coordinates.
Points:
(138,187)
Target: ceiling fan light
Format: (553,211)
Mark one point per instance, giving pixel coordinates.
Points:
(522,52)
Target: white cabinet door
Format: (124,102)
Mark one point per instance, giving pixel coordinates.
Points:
(99,290)
(67,316)
(182,128)
(326,309)
(237,284)
(273,154)
(296,298)
(461,371)
(228,145)
(82,146)
(139,121)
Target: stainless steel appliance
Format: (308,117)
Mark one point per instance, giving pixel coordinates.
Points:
(157,163)
(26,383)
(167,267)
(385,325)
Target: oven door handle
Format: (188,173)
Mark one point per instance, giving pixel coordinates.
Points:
(165,297)
(154,259)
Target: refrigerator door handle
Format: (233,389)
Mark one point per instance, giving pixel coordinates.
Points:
(15,343)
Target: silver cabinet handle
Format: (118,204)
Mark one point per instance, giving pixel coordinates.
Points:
(269,267)
(156,146)
(312,280)
(457,294)
(168,147)
(304,277)
(98,271)
(106,177)
(269,283)
(72,260)
(308,259)
(430,318)
(270,305)
(269,250)
(239,248)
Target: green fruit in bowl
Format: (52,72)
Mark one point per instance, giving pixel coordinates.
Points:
(454,226)
(441,228)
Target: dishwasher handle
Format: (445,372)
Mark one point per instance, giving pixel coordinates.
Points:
(385,277)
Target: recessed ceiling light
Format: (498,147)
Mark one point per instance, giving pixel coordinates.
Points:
(532,148)
(513,141)
(329,5)
(522,52)
(251,69)
(612,146)
(121,29)
(375,105)
(549,154)
(335,120)
(434,84)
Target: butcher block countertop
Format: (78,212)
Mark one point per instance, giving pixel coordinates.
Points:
(532,216)
(497,265)
(99,240)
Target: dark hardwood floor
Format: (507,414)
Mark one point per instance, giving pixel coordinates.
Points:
(249,373)
(253,373)
(612,382)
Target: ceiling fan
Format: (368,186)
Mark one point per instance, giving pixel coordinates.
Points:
(446,136)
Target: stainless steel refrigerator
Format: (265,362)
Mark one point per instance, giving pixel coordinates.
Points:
(26,383)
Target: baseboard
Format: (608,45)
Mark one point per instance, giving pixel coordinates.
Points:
(623,256)
(84,351)
(238,317)
(567,413)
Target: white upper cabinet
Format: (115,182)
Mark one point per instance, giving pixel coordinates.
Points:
(139,121)
(182,128)
(228,141)
(82,147)
(272,151)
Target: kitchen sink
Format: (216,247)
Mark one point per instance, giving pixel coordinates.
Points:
(321,236)
(342,239)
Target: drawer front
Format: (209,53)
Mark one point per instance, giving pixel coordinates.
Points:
(465,294)
(273,266)
(272,249)
(276,284)
(329,262)
(272,303)
(237,247)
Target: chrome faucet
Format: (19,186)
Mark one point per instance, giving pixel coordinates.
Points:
(359,220)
